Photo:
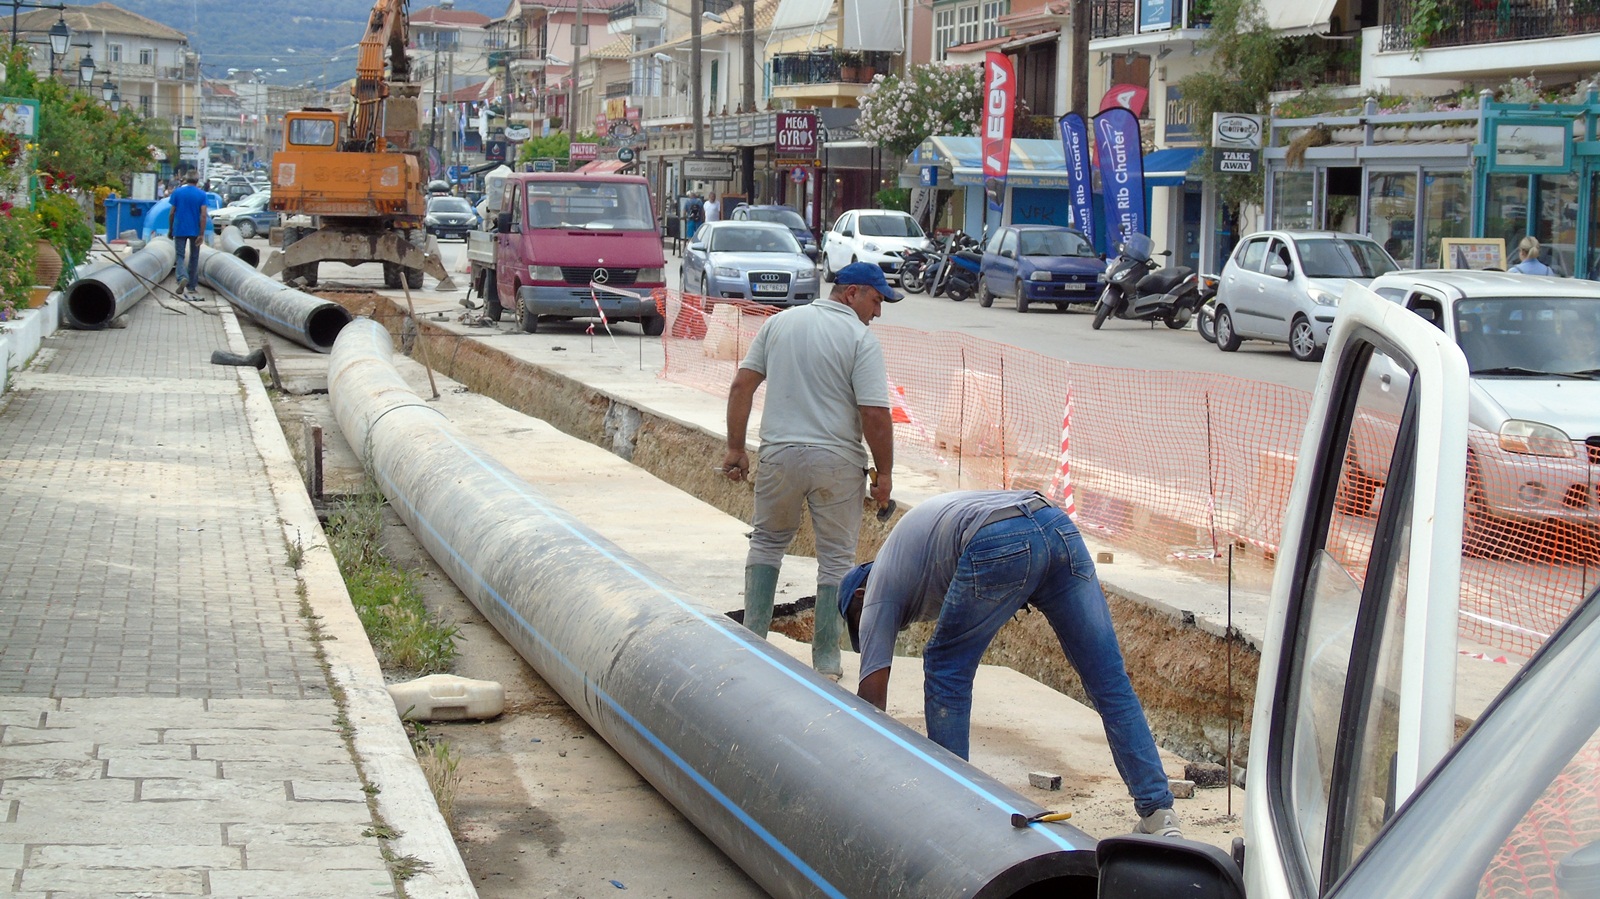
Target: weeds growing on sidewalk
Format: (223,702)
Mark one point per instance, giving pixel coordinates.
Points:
(439,761)
(386,598)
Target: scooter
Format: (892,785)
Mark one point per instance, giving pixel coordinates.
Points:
(1138,290)
(915,265)
(947,273)
(966,266)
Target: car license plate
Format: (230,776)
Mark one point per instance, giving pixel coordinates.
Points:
(772,288)
(1075,285)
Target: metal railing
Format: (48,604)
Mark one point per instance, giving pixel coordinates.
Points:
(631,8)
(827,67)
(1314,61)
(1118,18)
(616,89)
(1464,23)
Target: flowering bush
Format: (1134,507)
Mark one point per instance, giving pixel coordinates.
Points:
(900,113)
(60,220)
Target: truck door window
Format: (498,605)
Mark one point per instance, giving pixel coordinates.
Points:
(1335,752)
(312,132)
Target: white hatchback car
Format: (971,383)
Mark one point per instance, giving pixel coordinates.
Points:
(1284,286)
(1533,347)
(878,236)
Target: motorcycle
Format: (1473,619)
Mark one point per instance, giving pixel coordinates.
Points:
(957,274)
(1205,318)
(1139,290)
(915,266)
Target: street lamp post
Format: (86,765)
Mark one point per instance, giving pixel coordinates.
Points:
(60,36)
(17,5)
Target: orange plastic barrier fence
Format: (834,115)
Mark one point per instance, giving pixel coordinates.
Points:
(1178,465)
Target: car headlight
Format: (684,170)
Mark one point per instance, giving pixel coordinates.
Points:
(650,275)
(1322,297)
(1535,439)
(723,271)
(545,272)
(805,276)
(430,220)
(870,247)
(1039,276)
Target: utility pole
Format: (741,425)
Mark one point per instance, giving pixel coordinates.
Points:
(748,39)
(580,36)
(696,74)
(1080,58)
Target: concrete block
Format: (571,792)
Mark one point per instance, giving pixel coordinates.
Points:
(1206,774)
(1042,780)
(1181,789)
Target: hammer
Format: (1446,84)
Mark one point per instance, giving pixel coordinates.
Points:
(1020,820)
(887,509)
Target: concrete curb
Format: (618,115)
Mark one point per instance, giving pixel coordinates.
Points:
(21,337)
(403,799)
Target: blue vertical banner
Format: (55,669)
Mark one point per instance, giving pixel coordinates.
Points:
(1075,146)
(1116,134)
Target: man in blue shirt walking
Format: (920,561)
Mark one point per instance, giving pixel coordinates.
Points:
(188,224)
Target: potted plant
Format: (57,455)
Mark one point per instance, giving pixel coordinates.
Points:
(61,224)
(849,65)
(16,260)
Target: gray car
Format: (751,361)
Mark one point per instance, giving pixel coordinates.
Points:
(1284,286)
(755,261)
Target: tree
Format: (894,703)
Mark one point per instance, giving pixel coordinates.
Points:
(1245,58)
(82,143)
(552,146)
(900,113)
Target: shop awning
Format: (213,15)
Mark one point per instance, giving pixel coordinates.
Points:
(1296,17)
(1169,168)
(1034,163)
(603,167)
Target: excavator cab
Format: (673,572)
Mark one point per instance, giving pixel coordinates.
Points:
(312,130)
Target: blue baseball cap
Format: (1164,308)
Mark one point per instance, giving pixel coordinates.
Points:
(868,275)
(854,579)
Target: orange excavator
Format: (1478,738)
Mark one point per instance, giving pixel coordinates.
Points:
(350,184)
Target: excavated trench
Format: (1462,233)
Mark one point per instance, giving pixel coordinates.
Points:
(1181,671)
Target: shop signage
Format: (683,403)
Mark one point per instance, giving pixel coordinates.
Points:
(999,100)
(544,165)
(1075,150)
(518,133)
(583,152)
(495,151)
(1237,131)
(1155,15)
(1116,133)
(1529,145)
(21,117)
(625,154)
(751,129)
(1179,125)
(796,135)
(929,176)
(798,176)
(1235,162)
(706,168)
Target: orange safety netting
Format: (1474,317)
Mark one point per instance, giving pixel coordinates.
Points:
(1178,465)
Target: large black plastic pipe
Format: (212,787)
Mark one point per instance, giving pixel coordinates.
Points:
(808,789)
(105,291)
(230,241)
(307,320)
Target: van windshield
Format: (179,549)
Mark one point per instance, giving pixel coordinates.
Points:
(595,206)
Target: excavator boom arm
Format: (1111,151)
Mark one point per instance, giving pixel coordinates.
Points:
(385,36)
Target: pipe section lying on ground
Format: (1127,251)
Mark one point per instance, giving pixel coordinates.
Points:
(810,790)
(230,241)
(105,291)
(301,317)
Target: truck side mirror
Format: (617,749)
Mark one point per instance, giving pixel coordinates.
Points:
(1144,865)
(502,223)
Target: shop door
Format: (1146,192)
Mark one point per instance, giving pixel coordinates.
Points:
(1190,217)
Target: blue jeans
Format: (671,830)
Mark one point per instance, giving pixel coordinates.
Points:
(189,273)
(1038,560)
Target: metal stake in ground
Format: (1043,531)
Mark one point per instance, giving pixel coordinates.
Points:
(423,344)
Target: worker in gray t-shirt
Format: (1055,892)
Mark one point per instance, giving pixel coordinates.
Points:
(970,560)
(826,389)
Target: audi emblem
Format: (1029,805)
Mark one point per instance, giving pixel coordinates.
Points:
(769,277)
(601,276)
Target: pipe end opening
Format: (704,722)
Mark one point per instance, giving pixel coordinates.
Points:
(324,325)
(90,305)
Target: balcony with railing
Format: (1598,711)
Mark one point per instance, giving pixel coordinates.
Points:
(1314,61)
(615,89)
(1409,25)
(839,72)
(1120,18)
(635,17)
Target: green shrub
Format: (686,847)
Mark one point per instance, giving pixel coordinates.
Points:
(16,258)
(61,221)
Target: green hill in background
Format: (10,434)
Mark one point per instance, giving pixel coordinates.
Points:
(260,35)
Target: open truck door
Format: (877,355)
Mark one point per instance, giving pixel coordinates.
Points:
(1357,788)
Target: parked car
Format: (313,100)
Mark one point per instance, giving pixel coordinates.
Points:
(450,217)
(1533,348)
(870,235)
(1039,264)
(250,215)
(233,188)
(1284,286)
(745,260)
(780,215)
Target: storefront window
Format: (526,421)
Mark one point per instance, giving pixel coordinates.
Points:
(1594,232)
(1292,194)
(1446,211)
(1558,221)
(1392,213)
(1506,212)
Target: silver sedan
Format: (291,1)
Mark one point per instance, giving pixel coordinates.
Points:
(753,261)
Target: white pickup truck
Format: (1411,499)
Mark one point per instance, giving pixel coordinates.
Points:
(1358,787)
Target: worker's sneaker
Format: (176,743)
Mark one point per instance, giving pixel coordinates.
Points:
(1162,822)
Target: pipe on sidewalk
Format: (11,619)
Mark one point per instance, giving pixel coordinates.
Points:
(307,320)
(105,291)
(230,241)
(812,791)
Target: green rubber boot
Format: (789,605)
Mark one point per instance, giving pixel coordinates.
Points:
(825,635)
(760,586)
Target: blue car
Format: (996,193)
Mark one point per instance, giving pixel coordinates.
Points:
(1039,264)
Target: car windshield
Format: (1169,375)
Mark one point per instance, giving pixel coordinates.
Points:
(1052,243)
(450,204)
(1530,336)
(596,206)
(785,217)
(888,226)
(726,239)
(1342,257)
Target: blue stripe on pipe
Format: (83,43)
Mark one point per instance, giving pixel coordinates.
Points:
(720,624)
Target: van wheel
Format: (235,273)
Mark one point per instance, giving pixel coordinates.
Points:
(653,325)
(529,321)
(1227,338)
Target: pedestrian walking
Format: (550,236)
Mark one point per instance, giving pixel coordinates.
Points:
(694,213)
(713,208)
(826,390)
(189,214)
(1528,250)
(969,561)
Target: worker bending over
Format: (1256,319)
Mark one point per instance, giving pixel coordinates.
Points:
(970,560)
